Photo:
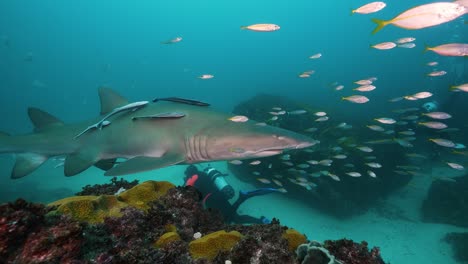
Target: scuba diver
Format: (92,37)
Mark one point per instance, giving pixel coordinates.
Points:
(217,192)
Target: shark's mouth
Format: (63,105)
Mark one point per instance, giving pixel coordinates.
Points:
(268,152)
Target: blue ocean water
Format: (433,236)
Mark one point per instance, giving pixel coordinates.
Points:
(55,54)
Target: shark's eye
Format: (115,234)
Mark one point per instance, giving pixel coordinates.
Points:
(278,137)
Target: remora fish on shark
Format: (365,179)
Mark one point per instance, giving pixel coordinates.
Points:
(150,136)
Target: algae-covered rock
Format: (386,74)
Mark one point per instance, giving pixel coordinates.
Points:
(94,209)
(294,239)
(210,245)
(140,195)
(166,238)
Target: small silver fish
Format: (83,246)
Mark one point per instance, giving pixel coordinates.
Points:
(236,162)
(354,174)
(303,166)
(297,112)
(263,180)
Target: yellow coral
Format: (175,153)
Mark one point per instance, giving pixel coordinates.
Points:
(166,239)
(294,239)
(140,195)
(210,245)
(94,209)
(170,228)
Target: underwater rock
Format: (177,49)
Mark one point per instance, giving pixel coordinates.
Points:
(162,231)
(94,209)
(107,188)
(459,243)
(60,243)
(185,211)
(28,235)
(337,252)
(350,252)
(17,220)
(447,202)
(266,243)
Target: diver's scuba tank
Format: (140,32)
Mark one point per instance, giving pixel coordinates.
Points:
(218,180)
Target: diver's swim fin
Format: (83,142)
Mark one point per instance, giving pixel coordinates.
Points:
(244,195)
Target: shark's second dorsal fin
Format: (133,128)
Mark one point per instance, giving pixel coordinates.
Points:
(110,100)
(41,119)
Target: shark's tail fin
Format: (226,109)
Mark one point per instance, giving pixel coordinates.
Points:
(25,162)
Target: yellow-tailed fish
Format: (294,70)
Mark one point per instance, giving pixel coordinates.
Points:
(424,16)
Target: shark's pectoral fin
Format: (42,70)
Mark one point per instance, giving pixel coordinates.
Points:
(140,164)
(105,164)
(27,163)
(80,161)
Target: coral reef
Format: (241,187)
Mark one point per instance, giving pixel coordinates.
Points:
(17,220)
(107,188)
(167,238)
(447,202)
(211,245)
(262,244)
(350,252)
(94,209)
(161,231)
(140,195)
(294,239)
(58,243)
(341,251)
(314,253)
(28,236)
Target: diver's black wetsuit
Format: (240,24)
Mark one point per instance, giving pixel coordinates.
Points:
(217,199)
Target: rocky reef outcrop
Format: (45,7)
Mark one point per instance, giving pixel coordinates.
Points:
(447,202)
(153,222)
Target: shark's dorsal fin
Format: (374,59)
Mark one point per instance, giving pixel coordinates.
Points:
(42,119)
(110,100)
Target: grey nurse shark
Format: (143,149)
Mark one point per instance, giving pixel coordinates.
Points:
(146,136)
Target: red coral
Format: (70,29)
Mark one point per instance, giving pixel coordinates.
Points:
(59,244)
(17,221)
(350,252)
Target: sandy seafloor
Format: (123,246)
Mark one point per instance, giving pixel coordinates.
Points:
(401,236)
